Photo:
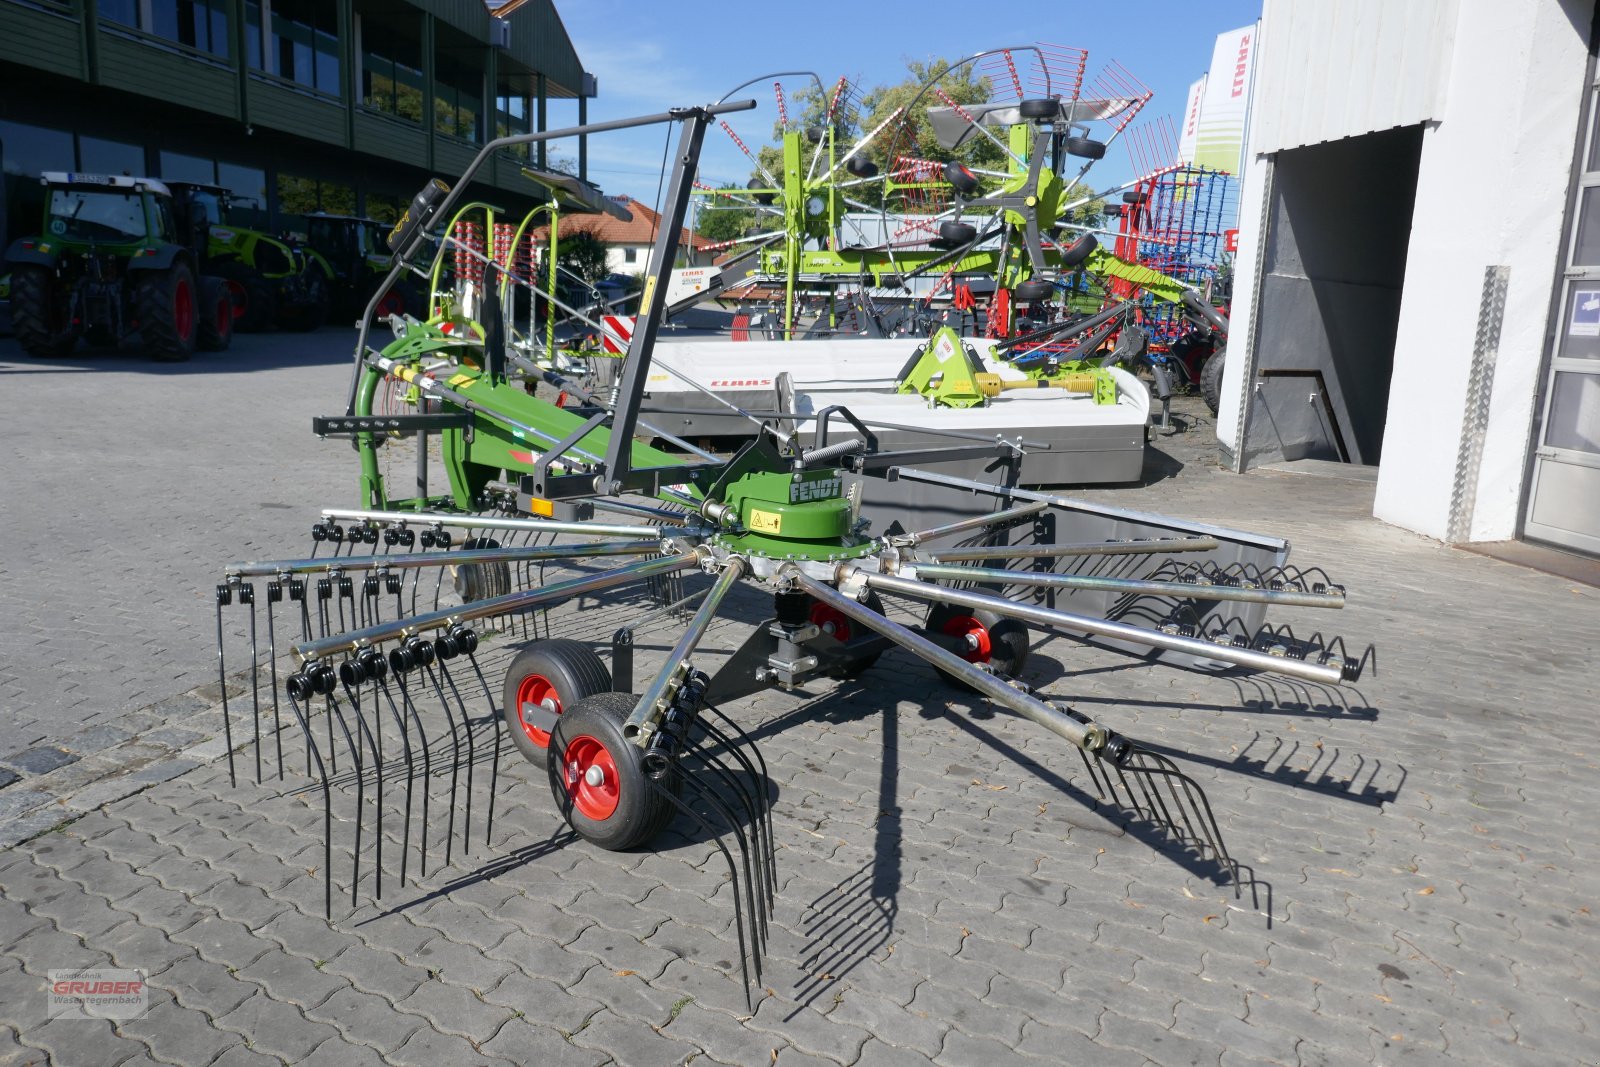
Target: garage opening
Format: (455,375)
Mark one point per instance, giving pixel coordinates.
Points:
(1335,260)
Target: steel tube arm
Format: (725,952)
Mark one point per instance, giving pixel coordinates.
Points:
(1329,674)
(1088,736)
(500,605)
(641,724)
(1187,590)
(412,560)
(1082,548)
(488,522)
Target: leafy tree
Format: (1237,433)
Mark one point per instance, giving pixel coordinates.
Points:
(582,252)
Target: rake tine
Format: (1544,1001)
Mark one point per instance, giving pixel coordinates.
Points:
(1164,766)
(274,596)
(494,766)
(733,875)
(247,596)
(764,823)
(405,740)
(312,752)
(1143,763)
(757,918)
(758,902)
(466,727)
(1088,765)
(353,673)
(455,759)
(224,596)
(334,710)
(427,760)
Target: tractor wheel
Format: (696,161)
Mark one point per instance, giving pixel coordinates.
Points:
(1211,380)
(1084,147)
(957,233)
(597,776)
(544,679)
(314,312)
(41,314)
(999,641)
(254,305)
(168,304)
(216,315)
(843,628)
(1079,250)
(1040,108)
(960,178)
(1034,290)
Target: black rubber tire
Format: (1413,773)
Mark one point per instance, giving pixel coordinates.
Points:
(314,312)
(1079,250)
(760,198)
(861,167)
(1084,147)
(168,331)
(573,671)
(641,811)
(814,134)
(856,669)
(41,320)
(1133,196)
(480,581)
(216,316)
(1034,290)
(255,305)
(957,233)
(1008,640)
(1040,108)
(402,298)
(1211,379)
(960,178)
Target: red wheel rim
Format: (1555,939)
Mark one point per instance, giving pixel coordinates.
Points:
(965,626)
(391,304)
(591,777)
(183,308)
(536,689)
(823,616)
(238,298)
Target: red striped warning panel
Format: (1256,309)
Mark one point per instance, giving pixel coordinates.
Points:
(617,326)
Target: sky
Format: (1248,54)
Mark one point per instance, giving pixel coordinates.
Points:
(650,55)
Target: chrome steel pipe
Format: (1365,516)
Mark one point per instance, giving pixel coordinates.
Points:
(654,701)
(1182,590)
(1088,736)
(977,521)
(500,605)
(414,560)
(1082,548)
(1328,674)
(490,522)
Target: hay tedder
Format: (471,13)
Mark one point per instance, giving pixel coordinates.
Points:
(404,687)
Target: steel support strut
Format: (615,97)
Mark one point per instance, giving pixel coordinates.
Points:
(642,723)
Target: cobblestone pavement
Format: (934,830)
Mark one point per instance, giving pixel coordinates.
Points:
(948,890)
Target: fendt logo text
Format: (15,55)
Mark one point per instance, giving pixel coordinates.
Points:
(821,489)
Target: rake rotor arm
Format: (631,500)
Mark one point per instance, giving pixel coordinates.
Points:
(490,522)
(1332,673)
(658,697)
(1080,731)
(412,560)
(545,596)
(1193,590)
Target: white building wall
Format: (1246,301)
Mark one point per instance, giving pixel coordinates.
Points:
(1496,161)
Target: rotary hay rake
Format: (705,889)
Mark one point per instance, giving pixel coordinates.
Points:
(404,686)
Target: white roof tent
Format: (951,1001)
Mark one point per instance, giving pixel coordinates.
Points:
(118,181)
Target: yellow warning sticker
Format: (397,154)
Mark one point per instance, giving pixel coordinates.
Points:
(458,380)
(765,521)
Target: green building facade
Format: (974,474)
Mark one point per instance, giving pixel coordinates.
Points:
(335,105)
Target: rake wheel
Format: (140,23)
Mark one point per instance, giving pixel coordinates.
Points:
(999,643)
(544,679)
(598,779)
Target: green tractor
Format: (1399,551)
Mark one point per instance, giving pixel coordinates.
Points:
(111,264)
(354,253)
(273,282)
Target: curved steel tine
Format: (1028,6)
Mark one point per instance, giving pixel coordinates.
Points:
(1206,818)
(373,749)
(1089,766)
(736,744)
(1165,766)
(427,766)
(466,727)
(274,595)
(758,933)
(494,767)
(312,752)
(223,594)
(335,711)
(247,596)
(405,741)
(455,761)
(758,903)
(733,876)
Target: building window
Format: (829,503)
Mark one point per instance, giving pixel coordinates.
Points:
(630,255)
(177,167)
(391,69)
(304,46)
(252,35)
(385,208)
(512,115)
(123,11)
(32,150)
(458,99)
(201,24)
(99,156)
(302,196)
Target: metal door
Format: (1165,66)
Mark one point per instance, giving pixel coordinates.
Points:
(1564,492)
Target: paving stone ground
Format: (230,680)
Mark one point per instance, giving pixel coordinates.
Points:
(1423,845)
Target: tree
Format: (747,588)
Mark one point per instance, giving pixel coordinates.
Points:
(581,251)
